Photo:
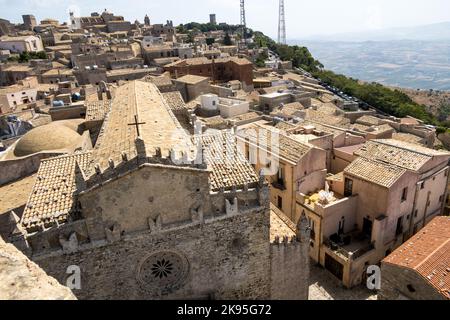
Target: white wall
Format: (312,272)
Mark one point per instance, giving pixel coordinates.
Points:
(210,102)
(229,111)
(28,44)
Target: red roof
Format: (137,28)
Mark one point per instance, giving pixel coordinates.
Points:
(428,253)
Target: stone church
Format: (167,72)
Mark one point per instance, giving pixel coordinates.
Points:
(143,220)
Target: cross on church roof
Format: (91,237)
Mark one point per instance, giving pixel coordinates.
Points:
(137,124)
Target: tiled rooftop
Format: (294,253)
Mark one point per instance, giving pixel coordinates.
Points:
(428,253)
(407,137)
(174,100)
(377,172)
(204,60)
(52,198)
(369,120)
(280,225)
(192,79)
(97,110)
(160,128)
(160,82)
(228,166)
(288,109)
(401,154)
(288,149)
(246,116)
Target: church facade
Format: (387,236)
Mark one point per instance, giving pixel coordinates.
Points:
(141,219)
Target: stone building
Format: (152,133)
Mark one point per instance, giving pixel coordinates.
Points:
(16,96)
(218,70)
(153,52)
(296,167)
(385,196)
(145,217)
(23,157)
(6,27)
(29,21)
(419,269)
(12,73)
(191,86)
(212,18)
(21,44)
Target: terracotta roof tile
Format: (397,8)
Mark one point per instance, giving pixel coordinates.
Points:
(428,253)
(228,166)
(52,198)
(97,110)
(375,171)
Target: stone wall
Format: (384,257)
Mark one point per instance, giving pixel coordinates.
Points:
(224,258)
(12,170)
(405,284)
(21,279)
(289,271)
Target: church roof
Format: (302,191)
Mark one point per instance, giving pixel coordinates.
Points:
(51,137)
(52,198)
(157,125)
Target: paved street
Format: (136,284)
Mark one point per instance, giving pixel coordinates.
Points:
(324,286)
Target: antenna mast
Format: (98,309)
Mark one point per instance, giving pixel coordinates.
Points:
(282,24)
(243,21)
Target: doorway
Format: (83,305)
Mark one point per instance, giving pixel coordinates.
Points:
(336,268)
(367,228)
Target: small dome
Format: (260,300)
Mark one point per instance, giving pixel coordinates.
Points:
(53,136)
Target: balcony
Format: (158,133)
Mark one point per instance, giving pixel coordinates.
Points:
(279,184)
(351,246)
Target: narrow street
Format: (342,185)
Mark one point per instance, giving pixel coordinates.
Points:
(324,286)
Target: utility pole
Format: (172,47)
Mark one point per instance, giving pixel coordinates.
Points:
(243,21)
(282,24)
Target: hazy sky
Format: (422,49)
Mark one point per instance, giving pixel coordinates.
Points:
(304,18)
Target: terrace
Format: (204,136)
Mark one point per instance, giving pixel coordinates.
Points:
(350,246)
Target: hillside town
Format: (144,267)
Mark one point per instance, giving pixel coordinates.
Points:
(169,162)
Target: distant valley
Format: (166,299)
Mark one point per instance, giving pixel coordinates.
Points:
(404,63)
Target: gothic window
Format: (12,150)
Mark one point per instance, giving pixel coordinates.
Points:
(163,272)
(162,269)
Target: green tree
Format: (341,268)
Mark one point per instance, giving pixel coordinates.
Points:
(227,40)
(190,37)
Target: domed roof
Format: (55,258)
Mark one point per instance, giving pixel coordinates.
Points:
(53,136)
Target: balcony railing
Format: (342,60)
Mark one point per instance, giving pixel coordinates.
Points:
(351,255)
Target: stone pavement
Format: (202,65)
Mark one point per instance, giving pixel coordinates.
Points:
(324,286)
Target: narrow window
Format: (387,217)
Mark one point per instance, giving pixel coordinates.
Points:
(348,191)
(405,194)
(411,288)
(280,203)
(281,176)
